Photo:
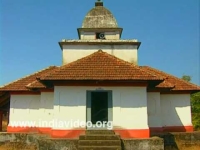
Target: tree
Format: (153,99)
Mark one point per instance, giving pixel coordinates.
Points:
(195,105)
(186,78)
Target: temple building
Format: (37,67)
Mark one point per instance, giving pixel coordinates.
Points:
(100,83)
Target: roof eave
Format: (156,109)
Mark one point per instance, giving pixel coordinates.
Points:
(99,42)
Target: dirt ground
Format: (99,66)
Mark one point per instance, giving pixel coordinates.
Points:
(13,145)
(17,146)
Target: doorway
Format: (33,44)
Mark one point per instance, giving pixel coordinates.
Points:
(99,107)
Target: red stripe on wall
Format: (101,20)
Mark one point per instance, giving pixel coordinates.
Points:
(67,133)
(154,130)
(44,130)
(178,129)
(133,133)
(124,133)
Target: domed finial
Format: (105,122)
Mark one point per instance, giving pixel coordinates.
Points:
(99,3)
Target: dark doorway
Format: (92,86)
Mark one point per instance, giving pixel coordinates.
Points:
(99,107)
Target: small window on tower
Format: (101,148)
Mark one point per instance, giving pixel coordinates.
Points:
(100,36)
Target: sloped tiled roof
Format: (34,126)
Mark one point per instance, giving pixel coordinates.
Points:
(172,81)
(21,84)
(100,66)
(165,84)
(36,84)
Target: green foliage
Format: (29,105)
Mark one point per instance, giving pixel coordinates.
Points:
(195,105)
(195,102)
(186,78)
(196,121)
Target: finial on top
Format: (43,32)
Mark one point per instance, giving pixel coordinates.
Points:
(99,3)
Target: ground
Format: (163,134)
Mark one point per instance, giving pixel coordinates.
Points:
(17,146)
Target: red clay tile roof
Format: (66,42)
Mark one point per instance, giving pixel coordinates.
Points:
(165,84)
(20,85)
(170,80)
(36,84)
(100,66)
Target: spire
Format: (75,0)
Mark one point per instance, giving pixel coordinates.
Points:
(98,3)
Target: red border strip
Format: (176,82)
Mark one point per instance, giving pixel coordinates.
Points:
(133,133)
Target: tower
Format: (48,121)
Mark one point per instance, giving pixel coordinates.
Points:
(99,31)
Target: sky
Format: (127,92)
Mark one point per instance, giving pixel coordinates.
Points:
(31,29)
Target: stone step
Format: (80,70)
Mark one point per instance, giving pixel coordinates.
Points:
(99,132)
(99,148)
(99,143)
(99,137)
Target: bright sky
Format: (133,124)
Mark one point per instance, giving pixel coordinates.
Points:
(31,29)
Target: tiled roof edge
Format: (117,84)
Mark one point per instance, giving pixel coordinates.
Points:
(26,76)
(174,77)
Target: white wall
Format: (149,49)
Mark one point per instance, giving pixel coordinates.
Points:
(88,36)
(129,105)
(69,105)
(154,109)
(75,52)
(46,109)
(24,108)
(130,108)
(176,110)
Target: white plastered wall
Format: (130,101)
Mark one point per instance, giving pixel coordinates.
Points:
(88,36)
(176,110)
(46,109)
(154,109)
(24,110)
(75,52)
(129,106)
(69,106)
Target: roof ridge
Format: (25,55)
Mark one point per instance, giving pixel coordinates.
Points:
(27,76)
(101,53)
(31,83)
(37,80)
(110,56)
(74,62)
(172,76)
(71,63)
(28,85)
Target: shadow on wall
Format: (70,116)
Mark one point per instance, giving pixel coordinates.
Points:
(175,115)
